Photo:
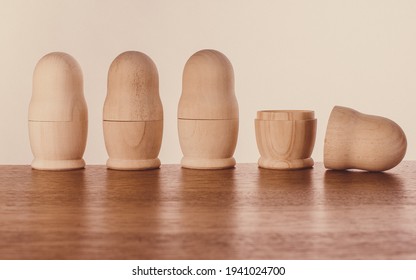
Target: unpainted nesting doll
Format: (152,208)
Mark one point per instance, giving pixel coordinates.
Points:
(208,112)
(133,113)
(355,140)
(58,115)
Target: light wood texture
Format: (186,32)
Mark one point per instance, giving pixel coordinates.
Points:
(358,141)
(133,145)
(133,113)
(208,88)
(285,138)
(208,144)
(285,115)
(58,114)
(176,213)
(58,90)
(208,112)
(133,89)
(58,145)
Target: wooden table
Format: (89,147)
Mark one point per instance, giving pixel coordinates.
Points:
(174,213)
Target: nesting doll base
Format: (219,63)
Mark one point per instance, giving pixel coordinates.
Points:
(58,145)
(125,164)
(285,164)
(208,144)
(203,163)
(58,165)
(133,145)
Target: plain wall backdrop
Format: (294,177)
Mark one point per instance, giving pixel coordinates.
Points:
(286,55)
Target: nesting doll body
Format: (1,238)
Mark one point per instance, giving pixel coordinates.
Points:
(58,114)
(208,112)
(133,113)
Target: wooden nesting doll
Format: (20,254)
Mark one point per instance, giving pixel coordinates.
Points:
(208,112)
(359,141)
(58,115)
(133,113)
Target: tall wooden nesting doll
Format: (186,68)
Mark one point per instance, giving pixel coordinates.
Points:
(208,112)
(133,113)
(58,115)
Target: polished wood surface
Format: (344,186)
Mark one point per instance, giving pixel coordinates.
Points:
(175,213)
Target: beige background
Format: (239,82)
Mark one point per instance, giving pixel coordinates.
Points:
(286,55)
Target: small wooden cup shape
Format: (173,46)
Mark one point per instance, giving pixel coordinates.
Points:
(358,141)
(285,138)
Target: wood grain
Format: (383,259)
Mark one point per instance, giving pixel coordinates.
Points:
(58,145)
(133,89)
(208,88)
(208,144)
(175,213)
(133,145)
(58,114)
(208,112)
(58,90)
(133,113)
(354,140)
(285,138)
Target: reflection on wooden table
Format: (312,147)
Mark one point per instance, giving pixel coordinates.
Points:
(175,213)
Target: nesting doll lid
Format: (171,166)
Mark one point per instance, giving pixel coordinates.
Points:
(57,91)
(208,87)
(133,89)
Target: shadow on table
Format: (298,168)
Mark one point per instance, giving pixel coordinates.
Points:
(362,188)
